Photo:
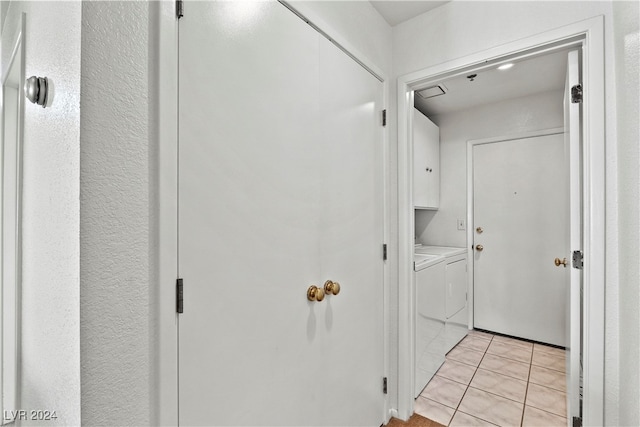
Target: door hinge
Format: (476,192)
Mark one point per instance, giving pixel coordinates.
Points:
(384,385)
(576,94)
(384,252)
(577,422)
(578,260)
(179,8)
(179,296)
(384,117)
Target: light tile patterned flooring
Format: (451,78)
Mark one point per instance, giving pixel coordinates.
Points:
(490,380)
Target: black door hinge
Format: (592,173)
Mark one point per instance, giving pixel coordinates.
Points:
(384,385)
(578,260)
(179,296)
(577,422)
(384,252)
(179,8)
(384,117)
(576,94)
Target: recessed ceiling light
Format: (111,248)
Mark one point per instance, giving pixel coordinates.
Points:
(505,66)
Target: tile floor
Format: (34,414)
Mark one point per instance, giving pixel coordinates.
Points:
(490,380)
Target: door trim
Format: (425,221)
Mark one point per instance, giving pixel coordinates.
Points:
(470,144)
(589,35)
(164,339)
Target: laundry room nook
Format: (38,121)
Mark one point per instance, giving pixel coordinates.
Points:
(487,146)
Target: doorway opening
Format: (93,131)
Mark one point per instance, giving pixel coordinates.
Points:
(429,227)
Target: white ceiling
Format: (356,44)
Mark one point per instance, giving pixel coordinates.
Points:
(397,11)
(526,77)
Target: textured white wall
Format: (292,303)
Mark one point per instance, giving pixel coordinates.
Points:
(51,283)
(460,28)
(115,213)
(519,115)
(627,51)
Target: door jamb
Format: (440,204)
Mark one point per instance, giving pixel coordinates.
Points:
(590,34)
(164,340)
(470,144)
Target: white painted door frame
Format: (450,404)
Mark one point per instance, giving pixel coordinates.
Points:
(589,35)
(470,200)
(165,342)
(11,151)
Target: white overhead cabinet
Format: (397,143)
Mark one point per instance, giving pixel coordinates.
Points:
(426,162)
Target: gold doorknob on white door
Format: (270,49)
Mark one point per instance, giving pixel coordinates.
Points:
(559,262)
(315,293)
(331,287)
(479,248)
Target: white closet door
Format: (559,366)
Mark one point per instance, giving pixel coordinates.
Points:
(520,202)
(280,187)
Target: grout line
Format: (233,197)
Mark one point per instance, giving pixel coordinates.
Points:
(526,392)
(548,412)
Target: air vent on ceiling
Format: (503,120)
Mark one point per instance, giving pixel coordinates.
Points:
(432,91)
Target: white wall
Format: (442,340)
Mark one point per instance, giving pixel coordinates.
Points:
(116,221)
(51,284)
(513,116)
(627,63)
(457,29)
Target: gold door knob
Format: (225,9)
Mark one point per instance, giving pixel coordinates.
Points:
(479,248)
(331,287)
(315,293)
(479,230)
(558,262)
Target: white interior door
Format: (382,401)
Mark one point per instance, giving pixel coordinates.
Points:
(573,235)
(520,203)
(280,187)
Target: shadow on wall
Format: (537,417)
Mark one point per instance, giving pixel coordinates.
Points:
(423,218)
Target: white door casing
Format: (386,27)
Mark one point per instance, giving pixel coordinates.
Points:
(573,236)
(280,187)
(520,202)
(11,167)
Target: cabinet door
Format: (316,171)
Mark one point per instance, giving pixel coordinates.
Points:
(426,162)
(433,164)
